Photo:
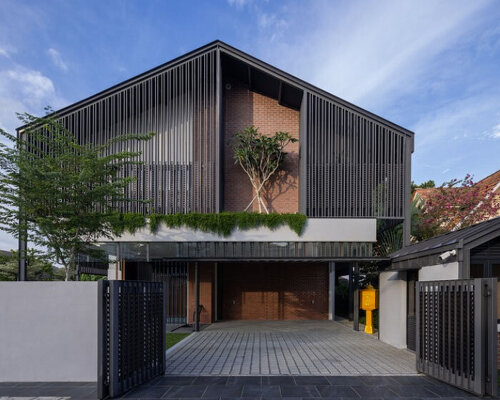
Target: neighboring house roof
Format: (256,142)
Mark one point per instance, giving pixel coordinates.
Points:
(5,253)
(490,186)
(429,249)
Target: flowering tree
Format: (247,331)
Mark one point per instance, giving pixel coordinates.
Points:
(454,205)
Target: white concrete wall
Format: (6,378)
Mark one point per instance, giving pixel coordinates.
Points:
(392,308)
(48,331)
(439,272)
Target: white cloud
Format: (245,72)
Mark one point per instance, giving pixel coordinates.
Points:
(495,132)
(57,60)
(366,52)
(239,3)
(25,90)
(4,52)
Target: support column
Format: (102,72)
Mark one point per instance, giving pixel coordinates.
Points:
(355,323)
(21,270)
(350,303)
(331,291)
(196,297)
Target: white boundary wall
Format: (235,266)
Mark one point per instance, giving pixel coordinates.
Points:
(392,308)
(48,331)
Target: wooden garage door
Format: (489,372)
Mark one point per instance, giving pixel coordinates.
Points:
(274,291)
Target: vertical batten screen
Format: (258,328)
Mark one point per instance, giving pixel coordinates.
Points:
(355,165)
(456,328)
(178,104)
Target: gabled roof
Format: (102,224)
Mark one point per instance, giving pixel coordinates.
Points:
(466,237)
(255,63)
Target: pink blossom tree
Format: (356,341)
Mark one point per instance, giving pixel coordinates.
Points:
(454,205)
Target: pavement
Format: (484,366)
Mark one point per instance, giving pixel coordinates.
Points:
(255,387)
(318,348)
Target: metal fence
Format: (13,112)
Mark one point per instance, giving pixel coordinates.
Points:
(131,335)
(456,333)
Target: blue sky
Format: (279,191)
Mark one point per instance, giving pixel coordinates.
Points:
(430,66)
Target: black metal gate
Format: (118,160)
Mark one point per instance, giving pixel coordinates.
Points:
(131,335)
(457,333)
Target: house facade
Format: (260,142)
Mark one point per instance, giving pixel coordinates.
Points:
(348,169)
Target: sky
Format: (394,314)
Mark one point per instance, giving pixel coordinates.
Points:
(428,65)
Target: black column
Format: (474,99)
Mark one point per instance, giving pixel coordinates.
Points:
(350,304)
(21,270)
(196,297)
(355,324)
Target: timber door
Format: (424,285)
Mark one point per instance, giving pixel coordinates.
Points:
(274,291)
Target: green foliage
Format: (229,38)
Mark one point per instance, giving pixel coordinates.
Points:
(58,193)
(40,269)
(92,277)
(260,156)
(222,223)
(424,185)
(175,337)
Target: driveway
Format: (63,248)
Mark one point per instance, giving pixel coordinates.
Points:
(286,348)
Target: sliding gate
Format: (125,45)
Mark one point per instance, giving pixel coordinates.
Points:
(131,335)
(457,333)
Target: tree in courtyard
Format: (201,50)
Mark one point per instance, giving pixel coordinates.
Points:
(58,193)
(261,157)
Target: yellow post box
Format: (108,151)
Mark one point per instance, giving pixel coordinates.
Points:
(369,302)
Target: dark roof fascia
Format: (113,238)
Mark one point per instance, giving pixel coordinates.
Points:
(467,239)
(293,80)
(247,58)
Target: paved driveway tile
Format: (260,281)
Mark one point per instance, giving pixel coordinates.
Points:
(277,348)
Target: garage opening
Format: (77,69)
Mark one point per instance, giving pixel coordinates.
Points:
(273,291)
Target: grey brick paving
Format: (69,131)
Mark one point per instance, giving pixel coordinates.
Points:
(319,348)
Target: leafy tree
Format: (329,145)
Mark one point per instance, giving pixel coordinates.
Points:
(260,156)
(40,269)
(424,185)
(58,193)
(454,205)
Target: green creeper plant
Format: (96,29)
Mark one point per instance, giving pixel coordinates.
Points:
(58,193)
(260,156)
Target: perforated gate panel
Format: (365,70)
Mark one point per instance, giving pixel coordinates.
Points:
(131,335)
(456,323)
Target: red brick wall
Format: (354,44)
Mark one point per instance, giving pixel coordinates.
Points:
(207,279)
(274,291)
(244,108)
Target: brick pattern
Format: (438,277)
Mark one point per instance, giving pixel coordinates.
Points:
(207,279)
(244,108)
(274,291)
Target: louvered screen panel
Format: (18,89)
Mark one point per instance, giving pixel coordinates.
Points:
(179,164)
(355,165)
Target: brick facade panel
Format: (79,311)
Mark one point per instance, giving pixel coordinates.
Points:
(244,108)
